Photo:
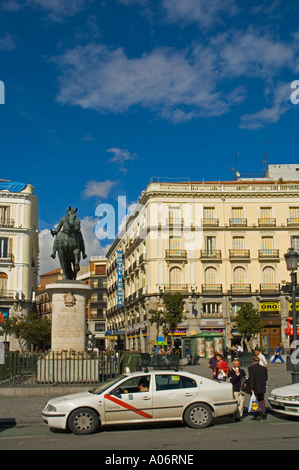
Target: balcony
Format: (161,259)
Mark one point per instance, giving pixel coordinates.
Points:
(210,222)
(174,221)
(239,254)
(6,223)
(238,222)
(293,222)
(176,288)
(6,258)
(268,289)
(240,289)
(268,254)
(211,289)
(177,255)
(6,294)
(210,255)
(267,222)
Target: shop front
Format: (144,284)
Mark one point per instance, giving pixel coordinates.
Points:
(271,320)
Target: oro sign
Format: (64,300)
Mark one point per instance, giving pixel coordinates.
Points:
(269,307)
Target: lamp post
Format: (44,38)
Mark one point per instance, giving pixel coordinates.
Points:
(291,258)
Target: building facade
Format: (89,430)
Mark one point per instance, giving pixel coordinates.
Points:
(220,244)
(96,276)
(18,250)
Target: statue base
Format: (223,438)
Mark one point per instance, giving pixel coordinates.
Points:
(69,299)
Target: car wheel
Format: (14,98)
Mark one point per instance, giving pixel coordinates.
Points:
(198,416)
(83,421)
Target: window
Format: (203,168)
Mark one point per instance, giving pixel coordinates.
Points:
(267,244)
(3,282)
(211,308)
(237,214)
(295,243)
(294,214)
(131,385)
(174,215)
(173,382)
(175,276)
(175,243)
(239,276)
(3,247)
(268,276)
(266,213)
(4,215)
(99,327)
(211,276)
(238,244)
(210,244)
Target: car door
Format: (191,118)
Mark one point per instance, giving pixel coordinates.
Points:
(126,403)
(171,393)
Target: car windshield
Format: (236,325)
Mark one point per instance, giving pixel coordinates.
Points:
(103,387)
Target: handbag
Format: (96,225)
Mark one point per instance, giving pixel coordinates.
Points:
(253,404)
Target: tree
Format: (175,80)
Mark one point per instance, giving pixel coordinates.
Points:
(248,323)
(157,318)
(174,314)
(32,329)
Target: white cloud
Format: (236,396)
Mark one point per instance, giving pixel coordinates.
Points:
(178,85)
(7,43)
(175,84)
(205,13)
(121,155)
(280,104)
(56,9)
(98,188)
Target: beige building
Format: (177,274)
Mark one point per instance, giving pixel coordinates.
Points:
(18,250)
(221,244)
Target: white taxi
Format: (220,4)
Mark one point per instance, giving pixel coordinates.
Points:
(143,397)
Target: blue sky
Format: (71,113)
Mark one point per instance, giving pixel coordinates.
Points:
(100,96)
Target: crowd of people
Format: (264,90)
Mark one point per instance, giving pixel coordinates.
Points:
(255,382)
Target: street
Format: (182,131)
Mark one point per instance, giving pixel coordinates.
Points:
(272,434)
(27,432)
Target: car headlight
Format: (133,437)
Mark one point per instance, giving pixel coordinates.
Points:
(292,398)
(50,408)
(289,398)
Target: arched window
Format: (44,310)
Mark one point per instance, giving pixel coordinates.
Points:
(268,276)
(3,282)
(239,276)
(211,276)
(175,277)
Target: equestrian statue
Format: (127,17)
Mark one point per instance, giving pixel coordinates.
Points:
(69,244)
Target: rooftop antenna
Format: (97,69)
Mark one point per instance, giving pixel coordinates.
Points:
(265,160)
(235,170)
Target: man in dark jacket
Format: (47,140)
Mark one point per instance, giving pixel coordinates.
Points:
(257,379)
(237,378)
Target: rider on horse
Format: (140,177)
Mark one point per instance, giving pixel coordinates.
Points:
(76,232)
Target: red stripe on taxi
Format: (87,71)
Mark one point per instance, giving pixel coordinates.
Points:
(129,407)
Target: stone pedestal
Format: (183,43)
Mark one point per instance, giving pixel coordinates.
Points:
(69,300)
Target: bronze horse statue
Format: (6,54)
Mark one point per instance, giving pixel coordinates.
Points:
(69,243)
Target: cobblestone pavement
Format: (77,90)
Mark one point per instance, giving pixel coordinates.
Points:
(26,410)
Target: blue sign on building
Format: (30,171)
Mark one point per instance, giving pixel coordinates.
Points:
(120,290)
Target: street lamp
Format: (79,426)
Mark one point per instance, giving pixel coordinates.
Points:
(291,258)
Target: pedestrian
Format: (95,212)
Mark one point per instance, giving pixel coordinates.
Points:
(237,377)
(256,383)
(188,354)
(260,355)
(222,368)
(213,362)
(277,354)
(239,350)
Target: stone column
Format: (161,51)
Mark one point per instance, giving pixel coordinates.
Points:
(69,299)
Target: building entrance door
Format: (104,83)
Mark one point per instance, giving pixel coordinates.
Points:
(274,334)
